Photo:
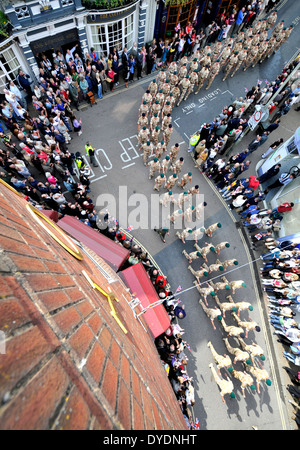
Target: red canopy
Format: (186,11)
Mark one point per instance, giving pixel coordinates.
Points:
(114,254)
(139,283)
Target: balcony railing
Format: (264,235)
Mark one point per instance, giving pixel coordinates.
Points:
(105,4)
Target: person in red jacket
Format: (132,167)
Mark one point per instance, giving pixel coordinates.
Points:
(285,207)
(253,182)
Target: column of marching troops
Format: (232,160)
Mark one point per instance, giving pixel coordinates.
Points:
(170,88)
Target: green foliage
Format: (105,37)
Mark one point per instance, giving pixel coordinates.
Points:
(104,4)
(3,25)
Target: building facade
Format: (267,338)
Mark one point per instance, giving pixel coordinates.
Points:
(44,27)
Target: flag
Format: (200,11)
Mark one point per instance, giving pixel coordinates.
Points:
(179,289)
(259,82)
(188,346)
(246,90)
(266,81)
(196,425)
(130,228)
(177,28)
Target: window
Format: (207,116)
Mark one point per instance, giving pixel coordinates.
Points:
(9,66)
(118,34)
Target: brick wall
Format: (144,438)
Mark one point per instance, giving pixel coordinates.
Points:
(68,365)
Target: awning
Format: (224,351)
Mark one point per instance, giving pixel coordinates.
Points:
(113,253)
(139,283)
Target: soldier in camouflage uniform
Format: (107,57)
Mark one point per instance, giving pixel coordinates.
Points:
(154,121)
(158,182)
(144,108)
(176,92)
(177,166)
(159,149)
(242,57)
(142,122)
(143,135)
(165,164)
(147,151)
(184,84)
(154,167)
(153,88)
(272,19)
(173,67)
(160,97)
(167,134)
(261,50)
(187,177)
(215,69)
(225,55)
(156,108)
(171,181)
(155,135)
(202,76)
(193,81)
(162,76)
(166,122)
(251,57)
(278,29)
(173,78)
(166,88)
(216,51)
(205,61)
(174,152)
(182,73)
(231,64)
(147,97)
(170,98)
(167,198)
(167,109)
(193,66)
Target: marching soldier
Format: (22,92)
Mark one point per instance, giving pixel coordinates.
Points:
(255,39)
(193,81)
(142,122)
(188,213)
(215,69)
(166,88)
(194,190)
(269,49)
(173,67)
(205,61)
(212,228)
(144,108)
(177,166)
(242,57)
(170,98)
(166,122)
(162,75)
(154,167)
(167,198)
(187,177)
(159,181)
(174,152)
(171,181)
(176,214)
(147,97)
(225,55)
(251,57)
(231,64)
(182,73)
(143,135)
(257,27)
(202,76)
(184,234)
(153,88)
(261,50)
(199,208)
(278,29)
(167,109)
(272,19)
(204,251)
(154,121)
(159,149)
(182,198)
(155,135)
(147,151)
(263,35)
(191,256)
(167,134)
(278,41)
(287,33)
(221,246)
(216,51)
(165,164)
(193,66)
(173,79)
(156,108)
(176,92)
(183,61)
(160,98)
(184,84)
(237,46)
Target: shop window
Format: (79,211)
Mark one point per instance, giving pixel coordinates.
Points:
(9,66)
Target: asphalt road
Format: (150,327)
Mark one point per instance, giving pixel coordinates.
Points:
(122,179)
